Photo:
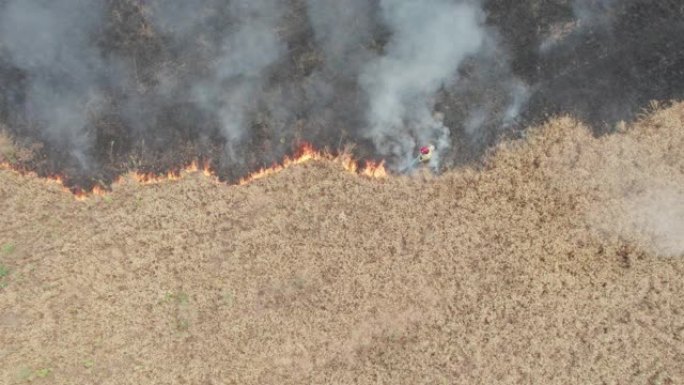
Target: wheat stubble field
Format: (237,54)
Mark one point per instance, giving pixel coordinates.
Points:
(561,261)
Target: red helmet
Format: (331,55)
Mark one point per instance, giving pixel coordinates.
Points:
(425,150)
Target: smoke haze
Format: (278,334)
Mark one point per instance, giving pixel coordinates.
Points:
(51,44)
(107,85)
(659,215)
(429,41)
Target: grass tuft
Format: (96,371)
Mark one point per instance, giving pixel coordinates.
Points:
(28,375)
(7,248)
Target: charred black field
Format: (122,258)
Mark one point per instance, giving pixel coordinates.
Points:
(93,89)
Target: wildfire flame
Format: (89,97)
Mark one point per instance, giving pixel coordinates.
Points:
(194,167)
(306,154)
(58,180)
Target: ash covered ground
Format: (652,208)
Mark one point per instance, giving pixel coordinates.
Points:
(96,88)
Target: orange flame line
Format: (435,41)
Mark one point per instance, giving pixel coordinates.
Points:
(306,154)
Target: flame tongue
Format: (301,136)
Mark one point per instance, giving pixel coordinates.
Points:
(195,166)
(375,170)
(306,154)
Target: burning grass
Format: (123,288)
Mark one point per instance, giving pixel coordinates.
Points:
(305,154)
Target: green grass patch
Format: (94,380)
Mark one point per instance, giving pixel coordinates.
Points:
(228,298)
(7,249)
(26,374)
(179,302)
(183,325)
(42,373)
(4,272)
(180,298)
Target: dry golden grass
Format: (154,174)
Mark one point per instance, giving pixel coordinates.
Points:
(550,266)
(7,149)
(11,153)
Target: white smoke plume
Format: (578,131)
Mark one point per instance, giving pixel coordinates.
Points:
(134,83)
(520,93)
(587,14)
(658,215)
(342,29)
(594,12)
(242,55)
(494,96)
(366,71)
(239,73)
(51,40)
(429,41)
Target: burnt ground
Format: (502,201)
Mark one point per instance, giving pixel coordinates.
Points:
(601,70)
(561,261)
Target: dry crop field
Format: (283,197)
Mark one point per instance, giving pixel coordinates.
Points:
(560,261)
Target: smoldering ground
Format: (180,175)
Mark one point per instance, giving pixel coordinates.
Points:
(99,87)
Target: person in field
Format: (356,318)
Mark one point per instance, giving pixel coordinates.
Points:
(426,153)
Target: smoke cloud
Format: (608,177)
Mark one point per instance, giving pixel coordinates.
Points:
(238,48)
(430,39)
(238,74)
(50,40)
(344,30)
(594,12)
(108,85)
(659,215)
